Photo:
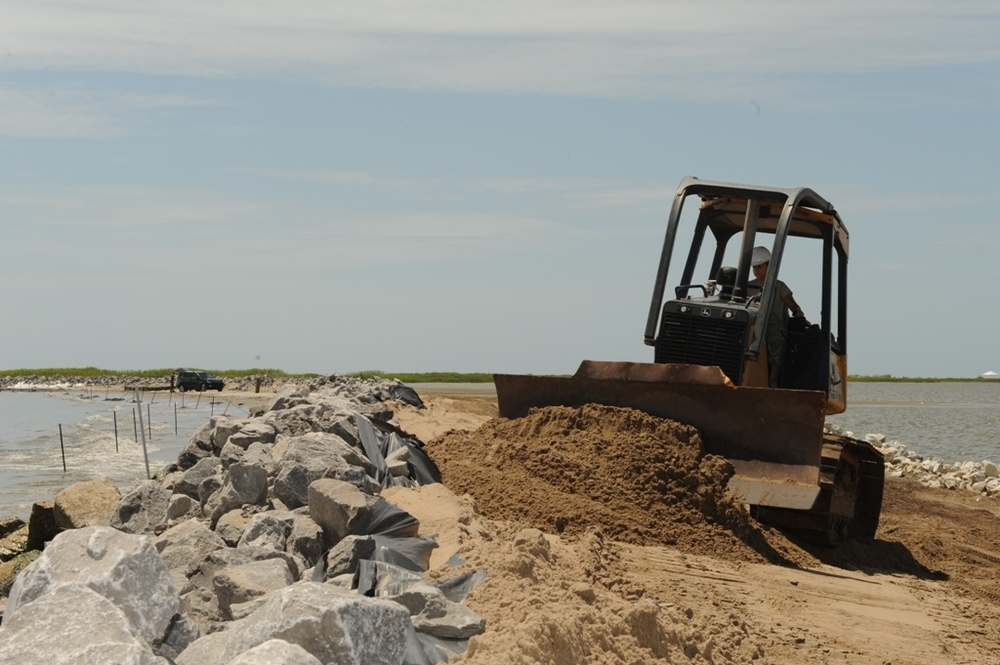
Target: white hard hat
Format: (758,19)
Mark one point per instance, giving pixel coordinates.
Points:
(760,256)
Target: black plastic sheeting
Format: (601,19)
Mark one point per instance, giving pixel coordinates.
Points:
(379,445)
(401,557)
(410,553)
(406,395)
(388,519)
(392,579)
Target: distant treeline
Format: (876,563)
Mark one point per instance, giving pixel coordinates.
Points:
(405,377)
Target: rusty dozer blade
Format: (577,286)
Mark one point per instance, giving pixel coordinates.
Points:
(773,437)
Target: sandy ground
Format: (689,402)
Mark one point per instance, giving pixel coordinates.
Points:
(926,591)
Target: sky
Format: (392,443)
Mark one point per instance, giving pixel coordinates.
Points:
(475,187)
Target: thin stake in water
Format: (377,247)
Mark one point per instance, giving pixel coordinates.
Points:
(143,431)
(62,447)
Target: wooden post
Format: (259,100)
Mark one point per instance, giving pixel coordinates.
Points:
(115,414)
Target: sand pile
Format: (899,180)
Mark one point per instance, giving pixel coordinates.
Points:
(637,478)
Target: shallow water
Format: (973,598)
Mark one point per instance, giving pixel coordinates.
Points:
(100,436)
(954,422)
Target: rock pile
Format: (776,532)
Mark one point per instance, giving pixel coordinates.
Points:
(902,462)
(267,541)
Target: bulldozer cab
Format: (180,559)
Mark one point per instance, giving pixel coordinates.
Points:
(713,314)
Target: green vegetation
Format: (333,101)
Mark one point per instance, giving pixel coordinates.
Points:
(405,377)
(94,372)
(889,378)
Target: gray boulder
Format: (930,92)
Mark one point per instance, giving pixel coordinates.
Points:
(332,624)
(339,508)
(124,568)
(143,509)
(254,431)
(433,614)
(269,529)
(191,479)
(275,652)
(343,558)
(225,428)
(182,546)
(244,484)
(73,623)
(200,445)
(240,584)
(181,507)
(305,540)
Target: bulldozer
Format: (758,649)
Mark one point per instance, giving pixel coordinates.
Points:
(710,359)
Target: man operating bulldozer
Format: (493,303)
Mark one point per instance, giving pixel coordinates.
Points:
(777,325)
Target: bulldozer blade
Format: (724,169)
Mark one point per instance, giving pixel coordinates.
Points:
(774,438)
(776,485)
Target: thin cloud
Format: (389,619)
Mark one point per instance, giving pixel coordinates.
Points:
(630,49)
(64,111)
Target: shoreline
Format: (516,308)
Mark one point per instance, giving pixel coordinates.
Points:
(902,461)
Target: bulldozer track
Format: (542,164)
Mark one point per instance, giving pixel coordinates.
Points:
(977,558)
(973,552)
(675,563)
(979,591)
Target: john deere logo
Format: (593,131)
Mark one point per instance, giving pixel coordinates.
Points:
(706,311)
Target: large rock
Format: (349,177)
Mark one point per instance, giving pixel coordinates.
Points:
(434,614)
(70,625)
(192,478)
(332,624)
(86,504)
(269,529)
(305,539)
(343,558)
(240,584)
(231,525)
(339,508)
(42,525)
(183,546)
(225,428)
(13,537)
(275,652)
(309,457)
(254,431)
(244,484)
(126,569)
(201,444)
(143,509)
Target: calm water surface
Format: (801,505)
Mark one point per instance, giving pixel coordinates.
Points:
(954,422)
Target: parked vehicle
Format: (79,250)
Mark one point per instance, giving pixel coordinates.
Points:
(187,379)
